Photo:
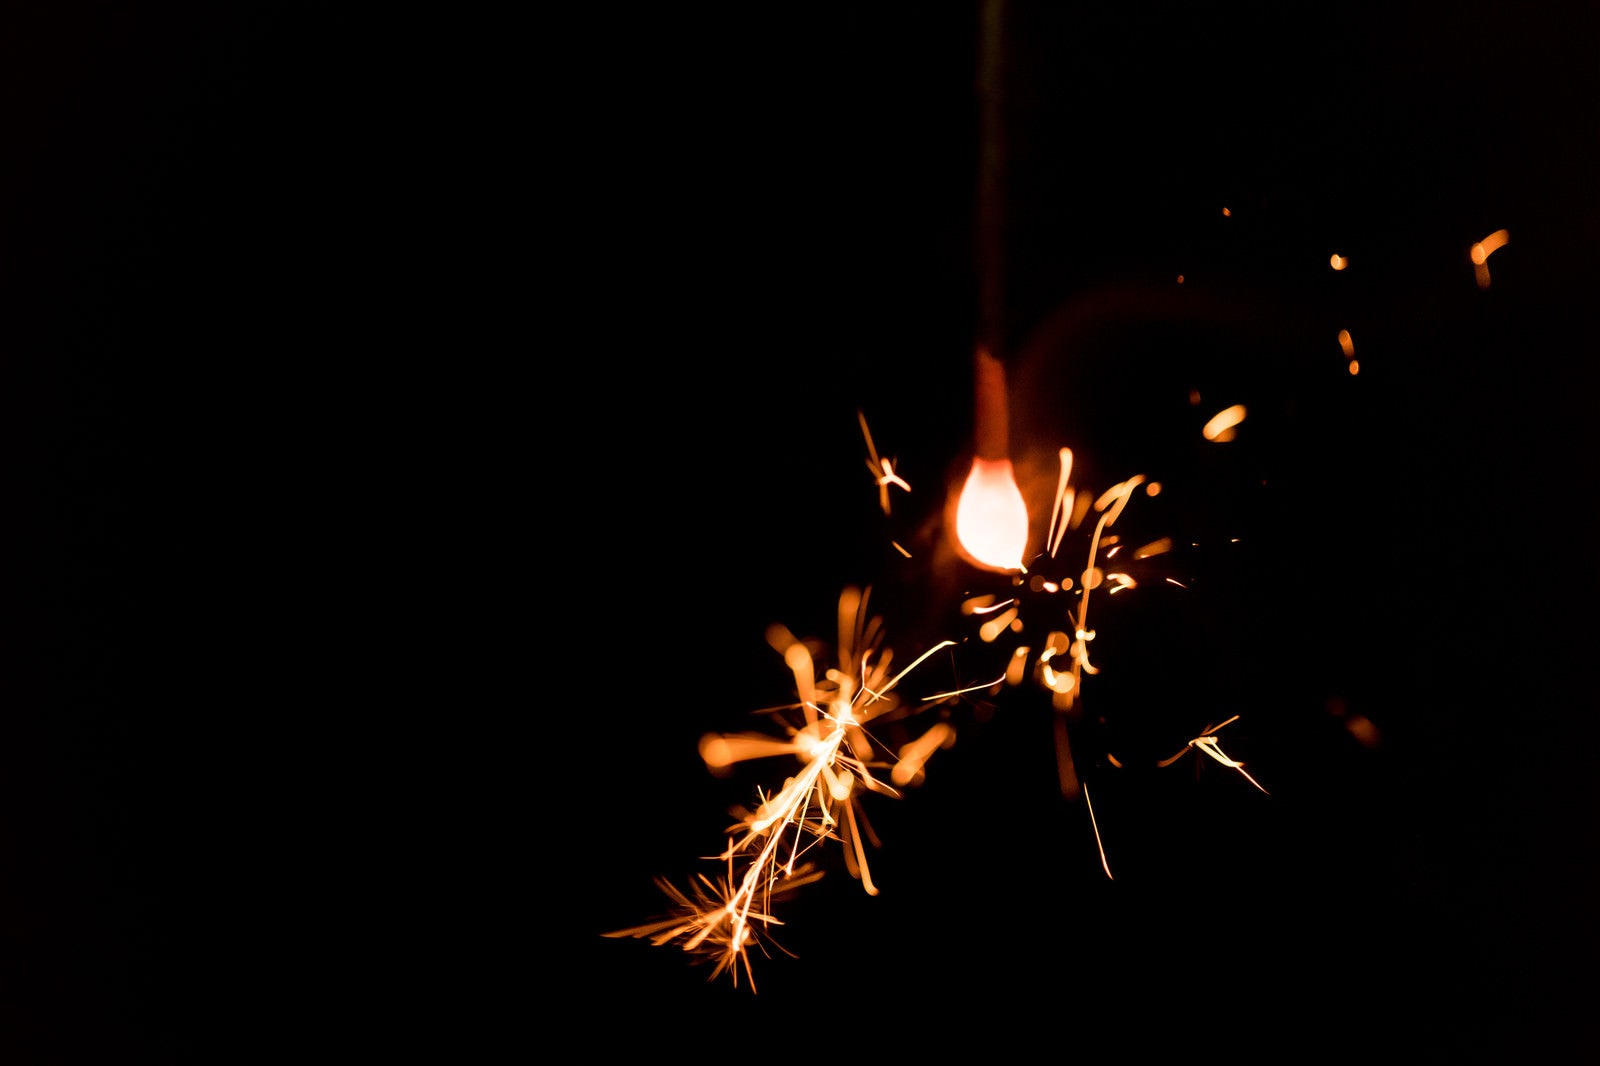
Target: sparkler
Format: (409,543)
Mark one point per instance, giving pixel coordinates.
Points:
(991,517)
(835,737)
(833,726)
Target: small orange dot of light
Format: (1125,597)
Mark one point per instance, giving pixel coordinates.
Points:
(1180,279)
(1355,366)
(1226,213)
(1337,261)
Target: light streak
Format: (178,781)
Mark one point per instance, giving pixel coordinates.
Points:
(1482,250)
(1061,512)
(1207,743)
(1221,426)
(1104,862)
(882,469)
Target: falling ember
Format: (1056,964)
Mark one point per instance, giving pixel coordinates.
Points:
(1337,261)
(1222,424)
(1346,344)
(1482,250)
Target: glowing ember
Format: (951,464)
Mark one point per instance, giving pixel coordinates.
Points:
(1481,251)
(992,517)
(1222,424)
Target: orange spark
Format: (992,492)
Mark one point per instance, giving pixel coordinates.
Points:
(1155,547)
(1104,865)
(1221,426)
(1207,742)
(914,756)
(882,468)
(1061,511)
(1481,251)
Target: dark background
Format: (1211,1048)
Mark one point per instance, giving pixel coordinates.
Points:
(411,425)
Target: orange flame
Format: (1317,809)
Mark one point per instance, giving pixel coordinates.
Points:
(992,517)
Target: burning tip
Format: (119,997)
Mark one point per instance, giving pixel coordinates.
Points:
(992,517)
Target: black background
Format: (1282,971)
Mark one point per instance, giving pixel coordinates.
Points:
(411,426)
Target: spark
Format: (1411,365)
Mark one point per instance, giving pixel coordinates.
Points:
(1221,426)
(984,605)
(882,468)
(1480,252)
(1062,510)
(1207,743)
(914,756)
(1155,547)
(1104,864)
(701,918)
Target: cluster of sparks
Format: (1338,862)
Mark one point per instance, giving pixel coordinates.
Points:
(828,730)
(832,727)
